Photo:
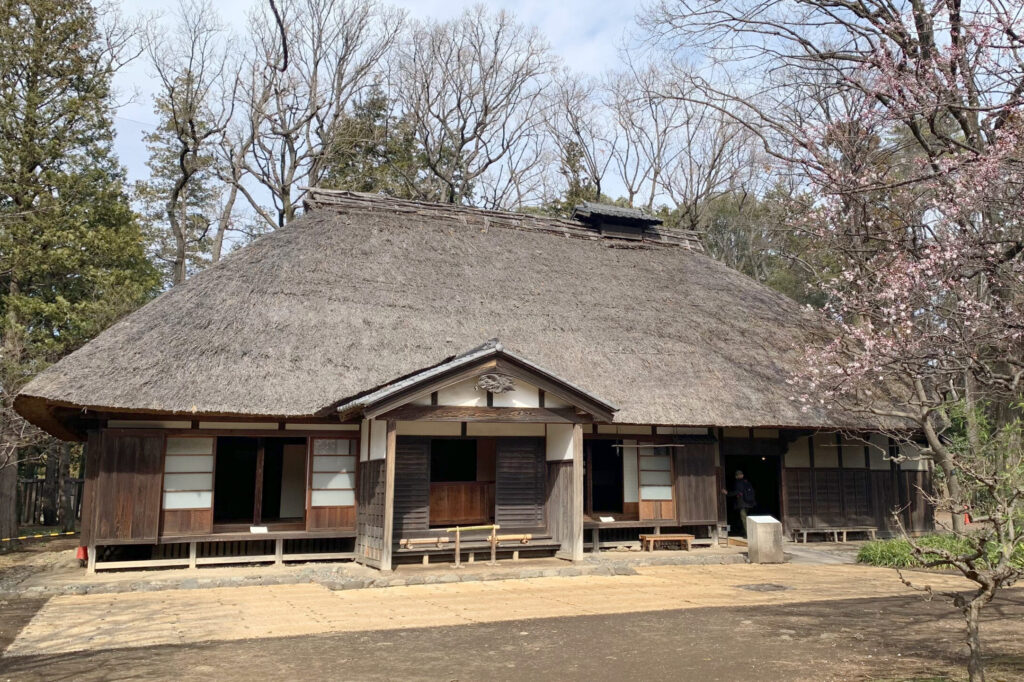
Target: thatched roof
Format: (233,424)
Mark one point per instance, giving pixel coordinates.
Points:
(363,291)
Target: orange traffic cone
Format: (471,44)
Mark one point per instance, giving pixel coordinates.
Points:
(82,555)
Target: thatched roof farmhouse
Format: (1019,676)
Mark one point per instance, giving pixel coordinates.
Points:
(380,368)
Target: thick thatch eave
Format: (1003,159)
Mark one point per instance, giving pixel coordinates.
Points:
(364,290)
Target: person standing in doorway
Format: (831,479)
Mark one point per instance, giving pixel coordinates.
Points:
(745,499)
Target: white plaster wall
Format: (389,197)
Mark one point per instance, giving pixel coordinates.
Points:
(630,476)
(826,451)
(798,454)
(378,439)
(559,442)
(554,402)
(524,395)
(512,429)
(914,461)
(878,456)
(429,429)
(462,394)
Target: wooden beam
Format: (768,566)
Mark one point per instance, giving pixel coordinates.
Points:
(453,413)
(389,495)
(574,545)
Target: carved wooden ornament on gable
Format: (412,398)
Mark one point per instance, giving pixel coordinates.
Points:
(495,383)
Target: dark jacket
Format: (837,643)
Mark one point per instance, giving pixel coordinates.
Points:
(744,494)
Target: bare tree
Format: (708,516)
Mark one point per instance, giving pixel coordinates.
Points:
(335,49)
(471,88)
(195,102)
(647,122)
(578,125)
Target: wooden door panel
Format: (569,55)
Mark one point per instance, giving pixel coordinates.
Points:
(128,488)
(521,483)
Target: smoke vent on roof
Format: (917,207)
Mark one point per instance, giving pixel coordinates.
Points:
(615,221)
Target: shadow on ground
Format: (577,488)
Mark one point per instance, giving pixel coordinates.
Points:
(893,638)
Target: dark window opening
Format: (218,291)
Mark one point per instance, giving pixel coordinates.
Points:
(234,487)
(452,461)
(604,477)
(279,479)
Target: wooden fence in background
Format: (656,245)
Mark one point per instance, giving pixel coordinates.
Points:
(31,499)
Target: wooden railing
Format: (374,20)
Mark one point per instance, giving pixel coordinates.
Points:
(461,502)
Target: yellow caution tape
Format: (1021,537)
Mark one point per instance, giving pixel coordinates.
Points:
(40,535)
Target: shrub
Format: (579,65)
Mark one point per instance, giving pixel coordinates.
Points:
(897,553)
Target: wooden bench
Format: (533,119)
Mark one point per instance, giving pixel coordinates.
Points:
(834,531)
(648,541)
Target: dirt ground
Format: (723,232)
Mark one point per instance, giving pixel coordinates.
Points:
(723,622)
(899,638)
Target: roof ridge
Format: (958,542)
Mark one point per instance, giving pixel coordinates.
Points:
(334,199)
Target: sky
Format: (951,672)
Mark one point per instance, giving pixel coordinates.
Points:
(586,34)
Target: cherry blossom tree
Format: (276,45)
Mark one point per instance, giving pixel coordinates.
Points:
(904,122)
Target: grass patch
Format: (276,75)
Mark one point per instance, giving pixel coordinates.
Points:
(897,553)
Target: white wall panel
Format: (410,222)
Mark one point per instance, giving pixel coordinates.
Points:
(826,451)
(798,455)
(330,463)
(333,498)
(462,394)
(559,442)
(335,481)
(189,446)
(188,482)
(191,500)
(188,463)
(332,446)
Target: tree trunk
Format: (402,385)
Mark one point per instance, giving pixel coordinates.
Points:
(9,500)
(975,667)
(66,512)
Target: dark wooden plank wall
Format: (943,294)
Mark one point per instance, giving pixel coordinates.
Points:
(186,521)
(696,489)
(128,487)
(331,518)
(559,500)
(856,496)
(412,484)
(370,512)
(520,488)
(93,444)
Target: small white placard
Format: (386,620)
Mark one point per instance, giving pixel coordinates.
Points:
(257,529)
(606,519)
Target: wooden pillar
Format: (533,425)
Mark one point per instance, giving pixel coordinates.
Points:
(574,543)
(90,564)
(257,504)
(192,553)
(389,496)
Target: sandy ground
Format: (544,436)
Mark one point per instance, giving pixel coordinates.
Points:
(799,621)
(70,623)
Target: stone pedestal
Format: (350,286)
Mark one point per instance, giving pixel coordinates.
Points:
(764,540)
